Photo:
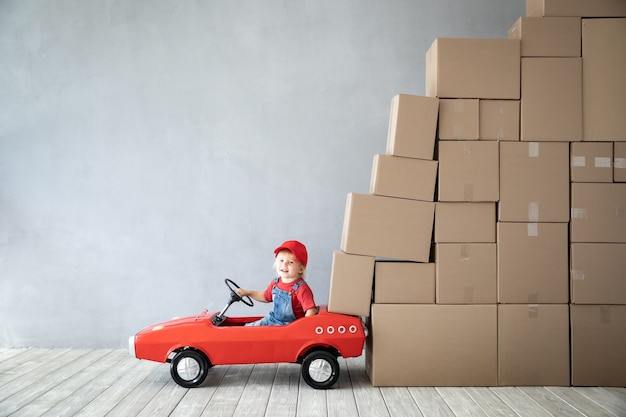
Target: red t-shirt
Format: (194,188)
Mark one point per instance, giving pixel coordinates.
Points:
(301,300)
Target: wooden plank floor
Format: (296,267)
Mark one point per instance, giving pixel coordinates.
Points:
(77,382)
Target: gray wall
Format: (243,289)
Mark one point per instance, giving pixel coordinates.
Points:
(150,149)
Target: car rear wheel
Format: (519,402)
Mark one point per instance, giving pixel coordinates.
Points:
(320,369)
(189,368)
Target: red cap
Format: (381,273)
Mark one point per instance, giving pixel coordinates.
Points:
(295,247)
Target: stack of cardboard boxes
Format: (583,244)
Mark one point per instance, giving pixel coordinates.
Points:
(491,249)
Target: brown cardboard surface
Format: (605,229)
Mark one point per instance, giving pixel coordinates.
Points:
(473,68)
(533,263)
(598,345)
(584,8)
(466,273)
(351,281)
(468,171)
(432,345)
(598,273)
(533,345)
(591,162)
(458,119)
(412,126)
(598,213)
(465,222)
(404,283)
(551,103)
(534,182)
(388,227)
(396,176)
(548,36)
(498,120)
(619,162)
(604,84)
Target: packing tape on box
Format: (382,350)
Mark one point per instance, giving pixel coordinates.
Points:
(459,106)
(468,294)
(533,149)
(533,298)
(533,211)
(500,133)
(602,162)
(619,163)
(605,314)
(468,192)
(459,130)
(467,147)
(501,109)
(578,161)
(465,253)
(577,274)
(579,213)
(533,229)
(533,311)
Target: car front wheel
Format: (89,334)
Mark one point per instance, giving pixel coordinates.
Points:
(189,368)
(320,369)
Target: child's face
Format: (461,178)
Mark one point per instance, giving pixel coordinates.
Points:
(287,266)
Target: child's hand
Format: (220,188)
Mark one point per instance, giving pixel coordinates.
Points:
(255,295)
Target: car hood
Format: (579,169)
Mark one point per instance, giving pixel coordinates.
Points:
(177,321)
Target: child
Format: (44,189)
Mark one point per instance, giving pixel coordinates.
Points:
(291,295)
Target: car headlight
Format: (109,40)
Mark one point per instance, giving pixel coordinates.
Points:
(131,346)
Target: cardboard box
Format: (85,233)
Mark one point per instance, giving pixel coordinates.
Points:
(396,176)
(458,119)
(412,126)
(598,345)
(584,8)
(551,103)
(598,213)
(619,162)
(534,182)
(473,68)
(547,36)
(404,283)
(388,227)
(351,282)
(533,345)
(468,171)
(465,222)
(498,120)
(604,85)
(533,264)
(466,273)
(591,162)
(598,273)
(432,345)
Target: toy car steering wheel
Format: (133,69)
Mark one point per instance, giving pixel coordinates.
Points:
(234,295)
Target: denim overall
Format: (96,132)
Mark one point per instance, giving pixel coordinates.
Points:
(283,307)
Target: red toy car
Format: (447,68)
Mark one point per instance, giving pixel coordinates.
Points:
(194,344)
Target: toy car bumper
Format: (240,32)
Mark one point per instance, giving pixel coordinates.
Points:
(131,346)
